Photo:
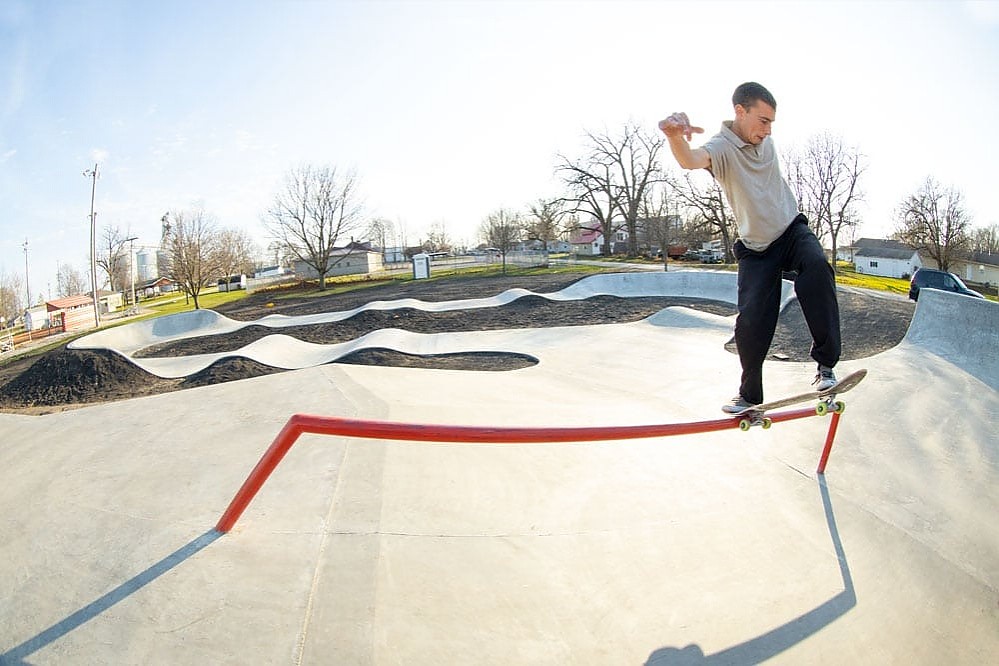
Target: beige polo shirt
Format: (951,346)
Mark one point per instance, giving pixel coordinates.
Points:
(761,199)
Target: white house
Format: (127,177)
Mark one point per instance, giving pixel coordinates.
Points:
(348,261)
(848,253)
(979,268)
(887,261)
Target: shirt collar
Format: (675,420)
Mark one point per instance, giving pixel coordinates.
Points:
(733,138)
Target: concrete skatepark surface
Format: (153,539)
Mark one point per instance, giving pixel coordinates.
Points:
(722,548)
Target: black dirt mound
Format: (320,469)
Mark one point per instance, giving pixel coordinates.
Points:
(228,370)
(71,376)
(481,361)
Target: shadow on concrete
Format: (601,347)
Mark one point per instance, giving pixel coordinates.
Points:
(16,655)
(775,641)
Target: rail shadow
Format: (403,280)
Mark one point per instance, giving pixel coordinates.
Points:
(17,654)
(779,639)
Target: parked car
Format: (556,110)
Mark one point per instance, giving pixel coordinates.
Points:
(711,257)
(930,278)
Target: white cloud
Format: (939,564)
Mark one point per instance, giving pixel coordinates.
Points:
(7,155)
(99,155)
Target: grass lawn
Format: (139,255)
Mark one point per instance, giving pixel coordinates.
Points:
(845,275)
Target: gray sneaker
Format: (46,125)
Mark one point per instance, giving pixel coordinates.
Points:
(825,379)
(737,405)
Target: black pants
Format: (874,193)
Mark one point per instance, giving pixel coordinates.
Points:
(759,301)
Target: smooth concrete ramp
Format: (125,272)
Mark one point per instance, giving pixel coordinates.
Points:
(962,329)
(280,351)
(713,548)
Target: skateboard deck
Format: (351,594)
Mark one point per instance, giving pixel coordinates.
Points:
(826,397)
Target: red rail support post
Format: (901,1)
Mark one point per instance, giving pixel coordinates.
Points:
(829,442)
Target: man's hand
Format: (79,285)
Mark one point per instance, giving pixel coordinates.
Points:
(678,124)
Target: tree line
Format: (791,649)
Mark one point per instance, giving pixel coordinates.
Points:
(615,185)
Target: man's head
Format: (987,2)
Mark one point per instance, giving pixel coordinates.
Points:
(755,112)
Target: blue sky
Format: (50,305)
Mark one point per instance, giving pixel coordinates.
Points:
(450,110)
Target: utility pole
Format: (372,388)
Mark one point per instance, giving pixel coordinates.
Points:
(27,290)
(93,174)
(131,267)
(27,287)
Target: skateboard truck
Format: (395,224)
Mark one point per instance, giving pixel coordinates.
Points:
(756,414)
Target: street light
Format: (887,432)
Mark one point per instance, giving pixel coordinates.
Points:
(27,287)
(131,267)
(93,174)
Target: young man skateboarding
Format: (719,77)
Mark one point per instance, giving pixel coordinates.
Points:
(774,237)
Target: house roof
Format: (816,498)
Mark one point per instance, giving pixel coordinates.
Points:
(983,258)
(882,243)
(148,284)
(886,252)
(69,302)
(586,235)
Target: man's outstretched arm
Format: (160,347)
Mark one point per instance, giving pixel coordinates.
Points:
(679,131)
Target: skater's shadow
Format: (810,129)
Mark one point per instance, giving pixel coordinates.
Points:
(775,641)
(17,654)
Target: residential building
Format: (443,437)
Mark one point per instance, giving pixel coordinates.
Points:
(897,262)
(355,259)
(587,242)
(847,253)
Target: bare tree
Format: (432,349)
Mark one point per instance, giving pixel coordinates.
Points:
(934,220)
(635,155)
(502,230)
(438,239)
(708,208)
(236,252)
(661,225)
(610,183)
(592,193)
(317,208)
(545,221)
(985,240)
(193,244)
(70,282)
(824,178)
(11,289)
(112,256)
(381,231)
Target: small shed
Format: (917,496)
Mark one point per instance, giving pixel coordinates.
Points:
(72,313)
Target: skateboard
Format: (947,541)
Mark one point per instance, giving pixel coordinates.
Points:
(754,415)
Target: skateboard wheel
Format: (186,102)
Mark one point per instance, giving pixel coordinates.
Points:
(822,409)
(839,407)
(767,423)
(745,425)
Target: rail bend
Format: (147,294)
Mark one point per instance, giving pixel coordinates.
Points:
(300,424)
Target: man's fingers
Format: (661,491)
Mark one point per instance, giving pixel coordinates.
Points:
(677,124)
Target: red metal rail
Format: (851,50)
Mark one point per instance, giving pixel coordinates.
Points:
(300,424)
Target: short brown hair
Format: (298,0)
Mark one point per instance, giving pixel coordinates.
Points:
(749,93)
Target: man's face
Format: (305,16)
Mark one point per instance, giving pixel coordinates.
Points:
(753,124)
